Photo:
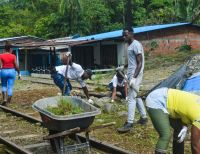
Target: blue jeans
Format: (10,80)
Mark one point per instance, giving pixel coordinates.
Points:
(7,80)
(59,81)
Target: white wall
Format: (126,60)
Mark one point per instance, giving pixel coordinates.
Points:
(121,53)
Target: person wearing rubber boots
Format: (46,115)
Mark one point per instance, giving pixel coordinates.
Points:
(178,109)
(134,74)
(71,71)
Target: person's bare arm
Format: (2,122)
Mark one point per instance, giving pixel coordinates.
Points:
(139,65)
(17,66)
(85,90)
(114,93)
(195,139)
(0,64)
(126,88)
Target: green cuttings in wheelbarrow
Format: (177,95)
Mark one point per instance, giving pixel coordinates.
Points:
(64,107)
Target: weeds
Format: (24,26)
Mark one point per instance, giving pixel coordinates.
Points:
(65,107)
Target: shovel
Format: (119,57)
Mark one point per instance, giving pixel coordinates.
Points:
(119,70)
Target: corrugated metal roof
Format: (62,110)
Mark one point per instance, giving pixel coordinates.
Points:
(118,33)
(19,38)
(46,44)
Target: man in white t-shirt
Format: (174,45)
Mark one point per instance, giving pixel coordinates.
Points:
(134,74)
(118,83)
(74,72)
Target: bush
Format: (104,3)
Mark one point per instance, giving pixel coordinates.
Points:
(184,48)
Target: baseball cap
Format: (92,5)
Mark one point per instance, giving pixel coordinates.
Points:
(89,72)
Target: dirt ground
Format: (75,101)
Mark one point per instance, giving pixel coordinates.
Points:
(141,139)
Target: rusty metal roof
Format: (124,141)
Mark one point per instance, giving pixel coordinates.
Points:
(15,41)
(30,42)
(52,43)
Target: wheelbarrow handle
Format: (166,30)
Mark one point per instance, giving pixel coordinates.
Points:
(63,133)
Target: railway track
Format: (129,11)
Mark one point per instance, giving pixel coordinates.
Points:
(19,139)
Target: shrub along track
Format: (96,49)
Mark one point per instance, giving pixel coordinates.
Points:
(24,134)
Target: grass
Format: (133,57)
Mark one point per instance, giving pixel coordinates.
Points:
(167,60)
(64,107)
(142,139)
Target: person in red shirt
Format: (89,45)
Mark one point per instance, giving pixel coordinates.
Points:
(8,73)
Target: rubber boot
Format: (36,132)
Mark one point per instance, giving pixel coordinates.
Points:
(9,99)
(178,148)
(4,98)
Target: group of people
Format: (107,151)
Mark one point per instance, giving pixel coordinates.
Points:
(166,107)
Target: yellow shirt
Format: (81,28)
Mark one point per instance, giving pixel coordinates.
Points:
(185,106)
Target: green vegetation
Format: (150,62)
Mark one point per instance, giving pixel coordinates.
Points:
(167,60)
(185,48)
(98,78)
(101,89)
(65,107)
(61,18)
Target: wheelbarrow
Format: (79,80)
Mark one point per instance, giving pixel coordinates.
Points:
(59,126)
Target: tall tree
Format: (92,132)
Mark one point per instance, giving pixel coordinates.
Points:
(96,17)
(71,10)
(188,10)
(128,13)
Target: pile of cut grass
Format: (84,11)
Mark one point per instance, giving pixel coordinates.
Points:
(65,107)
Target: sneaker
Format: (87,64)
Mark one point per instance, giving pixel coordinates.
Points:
(142,121)
(126,128)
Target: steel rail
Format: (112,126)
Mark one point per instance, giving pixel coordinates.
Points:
(103,146)
(18,149)
(19,114)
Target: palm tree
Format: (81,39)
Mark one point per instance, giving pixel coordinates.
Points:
(71,9)
(188,10)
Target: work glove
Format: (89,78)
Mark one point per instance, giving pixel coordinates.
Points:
(19,76)
(90,101)
(132,83)
(182,134)
(68,54)
(126,99)
(120,68)
(112,100)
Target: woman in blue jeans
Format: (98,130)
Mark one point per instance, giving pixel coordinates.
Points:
(8,73)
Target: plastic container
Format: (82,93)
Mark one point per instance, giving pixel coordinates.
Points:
(60,123)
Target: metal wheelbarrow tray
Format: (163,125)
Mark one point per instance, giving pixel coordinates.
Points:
(60,123)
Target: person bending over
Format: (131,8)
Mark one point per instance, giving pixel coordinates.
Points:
(170,107)
(71,71)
